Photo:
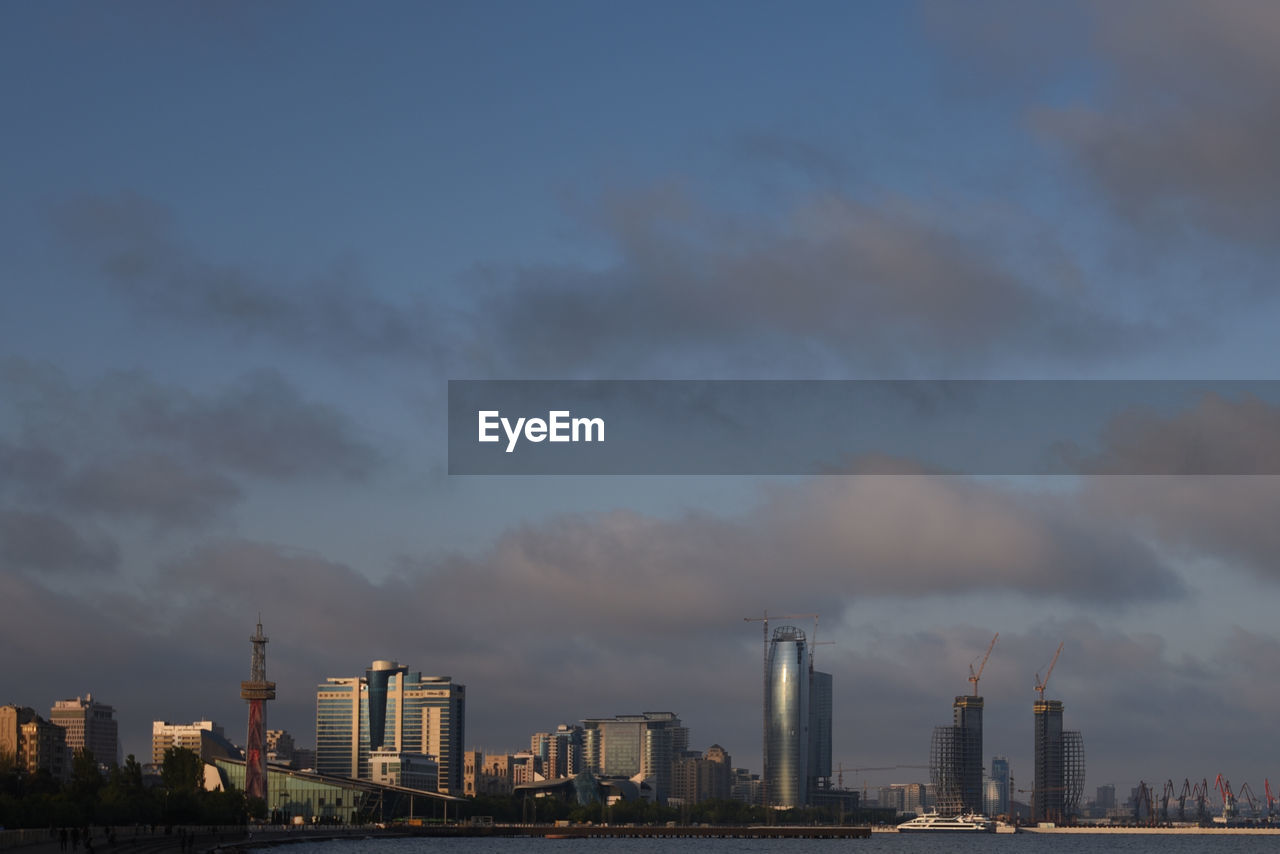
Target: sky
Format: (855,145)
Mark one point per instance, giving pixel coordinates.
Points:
(245,246)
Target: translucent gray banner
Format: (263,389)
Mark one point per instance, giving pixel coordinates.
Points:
(789,427)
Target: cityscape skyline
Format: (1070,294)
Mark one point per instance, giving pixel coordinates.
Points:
(425,711)
(247,247)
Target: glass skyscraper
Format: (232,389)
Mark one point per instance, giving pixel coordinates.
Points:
(390,708)
(786,719)
(627,745)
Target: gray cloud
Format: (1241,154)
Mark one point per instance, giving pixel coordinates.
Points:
(151,486)
(833,285)
(1215,436)
(123,445)
(135,244)
(46,543)
(1223,519)
(843,286)
(1181,135)
(260,425)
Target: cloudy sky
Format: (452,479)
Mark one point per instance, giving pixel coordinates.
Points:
(246,245)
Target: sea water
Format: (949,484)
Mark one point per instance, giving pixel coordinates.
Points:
(879,843)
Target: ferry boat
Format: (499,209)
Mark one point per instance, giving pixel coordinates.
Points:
(931,822)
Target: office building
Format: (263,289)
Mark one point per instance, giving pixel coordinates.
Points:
(1106,797)
(915,797)
(390,708)
(404,769)
(280,746)
(786,715)
(204,738)
(746,787)
(698,777)
(1000,783)
(560,753)
(820,700)
(641,745)
(89,725)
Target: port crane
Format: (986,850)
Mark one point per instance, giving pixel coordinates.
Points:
(974,677)
(1040,686)
(1200,794)
(1266,788)
(1228,797)
(1251,799)
(1182,799)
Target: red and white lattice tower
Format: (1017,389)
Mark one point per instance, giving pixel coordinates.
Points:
(257,691)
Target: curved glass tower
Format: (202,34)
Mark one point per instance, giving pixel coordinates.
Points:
(786,715)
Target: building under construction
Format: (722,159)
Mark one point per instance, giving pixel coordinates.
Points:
(955,755)
(1059,760)
(955,759)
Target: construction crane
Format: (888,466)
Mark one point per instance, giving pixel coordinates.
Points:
(1040,686)
(974,677)
(840,769)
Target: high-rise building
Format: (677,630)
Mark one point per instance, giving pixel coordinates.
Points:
(1000,777)
(955,762)
(786,717)
(746,787)
(698,777)
(1047,796)
(631,745)
(1059,759)
(1106,797)
(89,725)
(560,753)
(915,797)
(820,700)
(391,708)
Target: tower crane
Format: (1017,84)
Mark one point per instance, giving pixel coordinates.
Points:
(974,677)
(1040,686)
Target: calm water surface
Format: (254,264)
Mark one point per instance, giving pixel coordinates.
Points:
(879,843)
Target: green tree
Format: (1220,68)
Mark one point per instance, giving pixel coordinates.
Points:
(182,770)
(86,778)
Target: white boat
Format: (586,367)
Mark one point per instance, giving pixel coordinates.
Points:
(931,822)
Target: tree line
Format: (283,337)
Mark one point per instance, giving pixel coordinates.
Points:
(121,796)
